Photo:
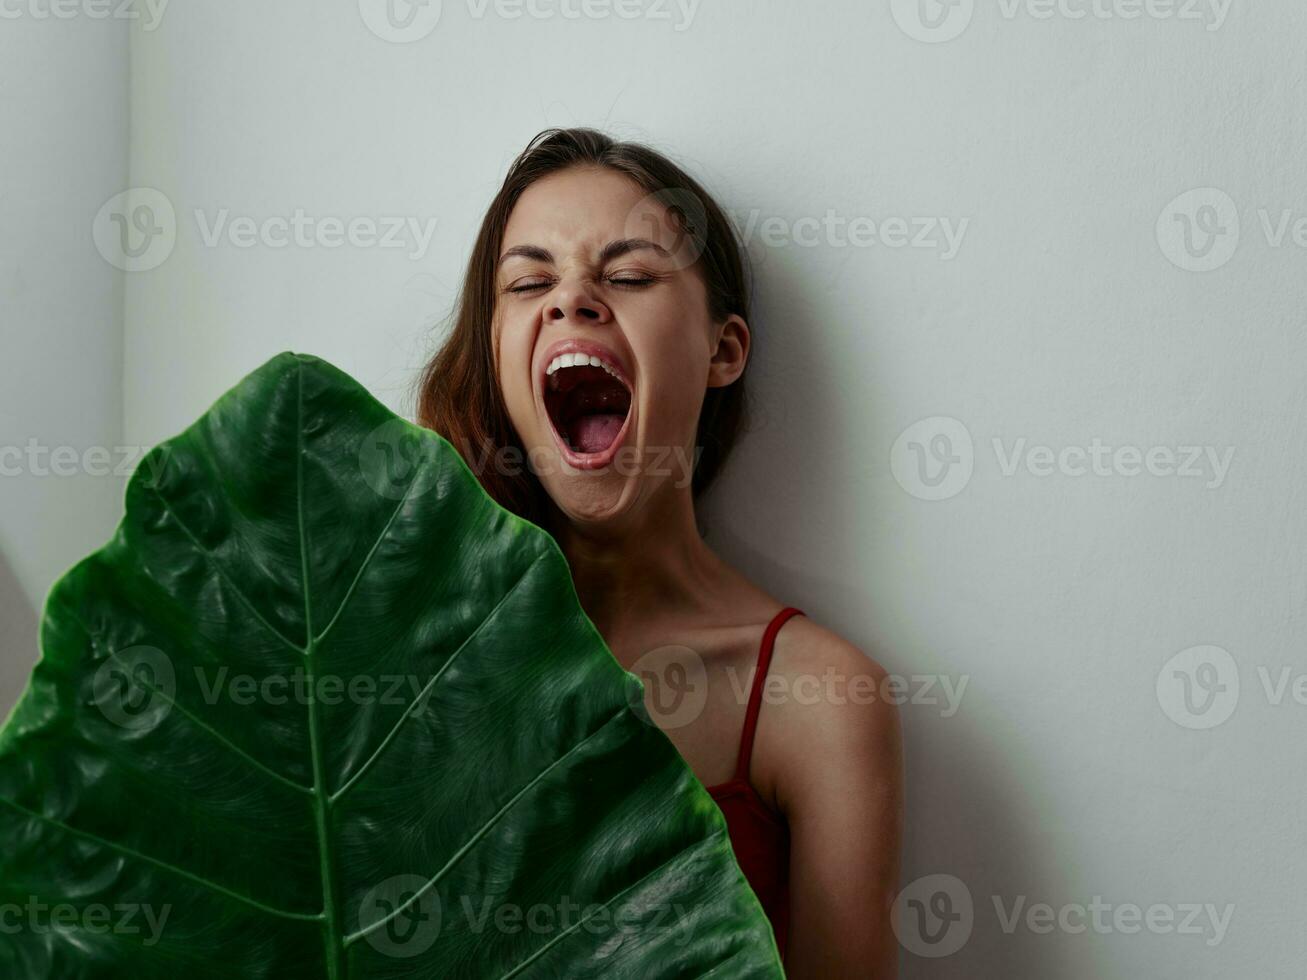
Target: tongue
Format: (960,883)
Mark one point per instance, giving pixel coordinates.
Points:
(594,433)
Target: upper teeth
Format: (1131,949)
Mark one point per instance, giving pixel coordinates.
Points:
(577,360)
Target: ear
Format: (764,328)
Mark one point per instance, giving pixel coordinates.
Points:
(731,351)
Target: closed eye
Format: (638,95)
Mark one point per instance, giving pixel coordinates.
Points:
(630,282)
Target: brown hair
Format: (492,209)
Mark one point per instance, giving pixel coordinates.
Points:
(458,392)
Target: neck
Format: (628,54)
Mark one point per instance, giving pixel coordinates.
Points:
(655,562)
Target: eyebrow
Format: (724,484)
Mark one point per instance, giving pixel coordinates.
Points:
(610,251)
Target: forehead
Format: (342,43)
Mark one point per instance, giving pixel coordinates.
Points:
(581,209)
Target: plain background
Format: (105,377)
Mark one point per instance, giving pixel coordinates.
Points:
(1067,314)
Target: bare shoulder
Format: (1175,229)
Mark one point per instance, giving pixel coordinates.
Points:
(804,646)
(834,718)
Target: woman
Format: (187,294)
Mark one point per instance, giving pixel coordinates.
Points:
(602,334)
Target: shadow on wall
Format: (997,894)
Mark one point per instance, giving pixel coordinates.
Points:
(963,837)
(18,650)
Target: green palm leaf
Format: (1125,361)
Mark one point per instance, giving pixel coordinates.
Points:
(321,708)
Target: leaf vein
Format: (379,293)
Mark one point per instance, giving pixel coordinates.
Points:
(164,865)
(201,725)
(426,689)
(217,567)
(485,829)
(349,593)
(213,733)
(697,845)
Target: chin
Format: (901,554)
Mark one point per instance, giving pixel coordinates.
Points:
(591,497)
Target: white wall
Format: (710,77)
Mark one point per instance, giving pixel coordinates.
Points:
(1065,775)
(64,120)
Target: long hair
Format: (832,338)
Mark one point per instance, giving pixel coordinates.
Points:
(458,391)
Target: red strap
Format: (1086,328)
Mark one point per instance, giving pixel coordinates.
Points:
(755,695)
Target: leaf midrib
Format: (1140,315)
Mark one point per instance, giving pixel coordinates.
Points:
(333,947)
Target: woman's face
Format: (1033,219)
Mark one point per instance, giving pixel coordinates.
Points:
(593,267)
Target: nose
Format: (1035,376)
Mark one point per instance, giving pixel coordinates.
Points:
(574,300)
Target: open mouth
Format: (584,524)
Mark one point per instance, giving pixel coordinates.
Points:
(588,405)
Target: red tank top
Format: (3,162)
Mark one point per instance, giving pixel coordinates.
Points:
(760,836)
